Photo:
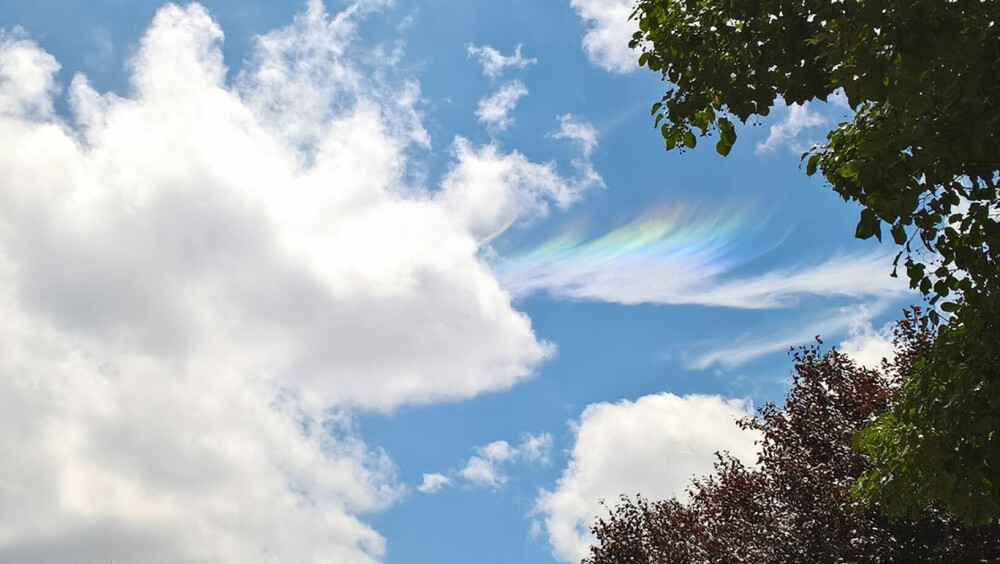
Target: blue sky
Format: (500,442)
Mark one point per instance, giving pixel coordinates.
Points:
(384,281)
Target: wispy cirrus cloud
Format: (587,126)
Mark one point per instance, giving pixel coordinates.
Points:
(850,323)
(687,255)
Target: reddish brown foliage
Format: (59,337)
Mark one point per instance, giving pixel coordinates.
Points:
(796,504)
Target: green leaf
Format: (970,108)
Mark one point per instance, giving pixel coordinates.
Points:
(812,164)
(689,139)
(723,148)
(868,226)
(848,170)
(726,131)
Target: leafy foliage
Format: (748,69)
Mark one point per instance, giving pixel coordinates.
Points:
(796,504)
(922,157)
(922,154)
(941,440)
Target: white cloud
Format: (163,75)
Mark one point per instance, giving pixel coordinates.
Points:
(495,63)
(535,448)
(609,31)
(487,190)
(851,276)
(580,132)
(497,451)
(683,255)
(482,472)
(866,345)
(584,135)
(116,455)
(197,280)
(787,132)
(433,483)
(652,446)
(838,98)
(26,77)
(494,110)
(751,349)
(486,469)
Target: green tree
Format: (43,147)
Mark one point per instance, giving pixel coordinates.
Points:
(922,157)
(938,443)
(796,504)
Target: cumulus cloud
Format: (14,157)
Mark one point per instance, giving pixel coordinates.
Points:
(495,63)
(609,31)
(26,77)
(432,483)
(198,280)
(487,468)
(535,448)
(482,472)
(494,110)
(867,345)
(687,255)
(652,446)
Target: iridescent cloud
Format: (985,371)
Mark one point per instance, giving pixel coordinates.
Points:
(687,254)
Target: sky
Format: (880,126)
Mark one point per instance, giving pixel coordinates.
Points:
(384,281)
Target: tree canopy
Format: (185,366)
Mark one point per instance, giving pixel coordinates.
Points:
(939,441)
(922,157)
(796,504)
